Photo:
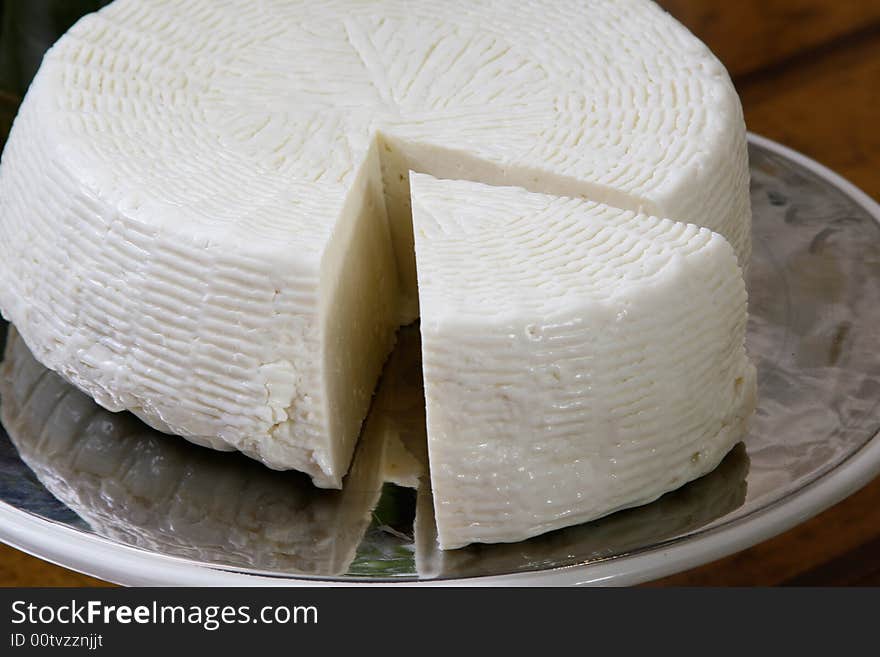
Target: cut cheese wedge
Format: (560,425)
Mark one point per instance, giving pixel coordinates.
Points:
(578,359)
(205,209)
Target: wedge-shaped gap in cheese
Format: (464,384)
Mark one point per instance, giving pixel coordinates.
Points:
(578,358)
(402,156)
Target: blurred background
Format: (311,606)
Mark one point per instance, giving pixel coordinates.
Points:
(808,73)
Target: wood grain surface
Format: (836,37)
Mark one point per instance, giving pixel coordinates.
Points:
(808,72)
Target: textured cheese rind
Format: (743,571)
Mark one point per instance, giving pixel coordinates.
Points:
(221,333)
(180,191)
(136,486)
(689,509)
(578,359)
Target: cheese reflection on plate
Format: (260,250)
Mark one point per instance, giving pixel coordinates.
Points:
(135,485)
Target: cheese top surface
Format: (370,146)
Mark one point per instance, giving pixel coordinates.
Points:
(495,253)
(205,206)
(223,120)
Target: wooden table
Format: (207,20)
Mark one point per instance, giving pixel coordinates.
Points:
(808,72)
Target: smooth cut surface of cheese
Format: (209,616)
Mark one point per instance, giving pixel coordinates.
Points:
(204,206)
(578,359)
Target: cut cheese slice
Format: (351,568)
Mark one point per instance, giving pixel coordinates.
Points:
(204,206)
(578,359)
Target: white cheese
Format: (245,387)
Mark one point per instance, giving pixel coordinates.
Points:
(578,359)
(204,206)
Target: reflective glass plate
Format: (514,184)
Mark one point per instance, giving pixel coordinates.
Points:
(103,494)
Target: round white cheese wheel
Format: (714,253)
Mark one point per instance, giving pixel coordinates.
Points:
(204,206)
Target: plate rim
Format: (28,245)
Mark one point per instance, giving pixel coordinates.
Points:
(117,563)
